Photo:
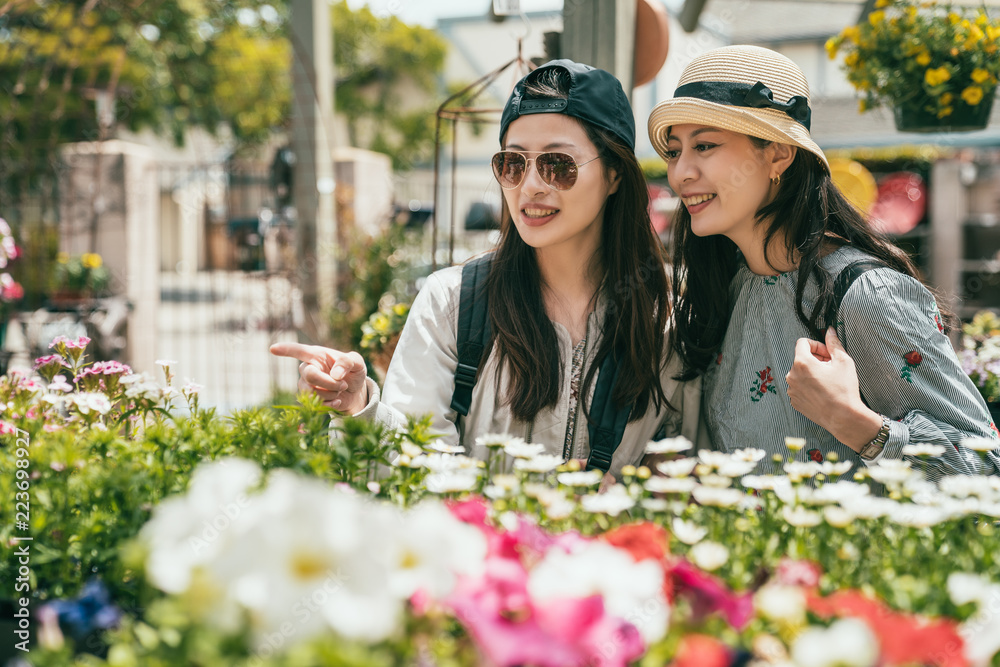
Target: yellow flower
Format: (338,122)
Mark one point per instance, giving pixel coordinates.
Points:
(992,32)
(832,46)
(380,323)
(954,18)
(937,76)
(875,18)
(944,112)
(946,99)
(862,106)
(882,3)
(924,59)
(91,260)
(851,33)
(972,95)
(62,257)
(979,75)
(851,59)
(400,309)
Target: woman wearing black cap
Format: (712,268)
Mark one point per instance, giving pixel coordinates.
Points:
(774,260)
(575,289)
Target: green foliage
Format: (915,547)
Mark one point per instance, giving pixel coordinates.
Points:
(166,65)
(386,69)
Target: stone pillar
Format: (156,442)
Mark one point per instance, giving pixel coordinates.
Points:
(312,144)
(109,204)
(601,33)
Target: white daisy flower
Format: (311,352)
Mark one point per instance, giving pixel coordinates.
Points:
(540,463)
(707,495)
(669,445)
(613,502)
(495,440)
(923,449)
(800,516)
(980,444)
(677,468)
(751,454)
(659,484)
(520,449)
(450,482)
(581,478)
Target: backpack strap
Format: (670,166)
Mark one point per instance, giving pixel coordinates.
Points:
(607,420)
(843,283)
(473,331)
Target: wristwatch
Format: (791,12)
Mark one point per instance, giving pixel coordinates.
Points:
(874,448)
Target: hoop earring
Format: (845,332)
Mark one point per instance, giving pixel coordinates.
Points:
(776,179)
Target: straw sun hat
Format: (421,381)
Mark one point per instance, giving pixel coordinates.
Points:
(745,89)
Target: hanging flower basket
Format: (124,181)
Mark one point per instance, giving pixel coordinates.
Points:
(913,118)
(936,64)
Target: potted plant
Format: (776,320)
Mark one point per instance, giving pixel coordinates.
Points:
(981,357)
(77,279)
(935,64)
(381,333)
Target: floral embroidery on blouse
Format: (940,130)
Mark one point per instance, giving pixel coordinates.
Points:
(993,427)
(771,280)
(574,396)
(913,359)
(763,383)
(815,455)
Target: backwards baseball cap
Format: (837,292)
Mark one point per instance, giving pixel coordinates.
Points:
(595,96)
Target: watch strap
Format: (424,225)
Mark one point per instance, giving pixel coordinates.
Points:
(877,444)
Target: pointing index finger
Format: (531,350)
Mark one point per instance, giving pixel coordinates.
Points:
(306,353)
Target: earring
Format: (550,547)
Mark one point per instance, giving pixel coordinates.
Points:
(776,179)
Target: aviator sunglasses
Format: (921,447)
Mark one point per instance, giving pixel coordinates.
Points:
(557,170)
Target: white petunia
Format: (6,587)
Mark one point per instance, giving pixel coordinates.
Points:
(980,632)
(848,642)
(658,484)
(520,449)
(541,463)
(613,502)
(923,449)
(687,532)
(709,556)
(800,516)
(669,445)
(677,468)
(580,478)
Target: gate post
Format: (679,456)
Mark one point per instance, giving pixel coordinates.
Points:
(109,204)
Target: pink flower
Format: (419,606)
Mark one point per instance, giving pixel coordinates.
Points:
(79,344)
(708,595)
(7,428)
(798,573)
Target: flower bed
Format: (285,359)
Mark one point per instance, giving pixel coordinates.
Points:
(165,534)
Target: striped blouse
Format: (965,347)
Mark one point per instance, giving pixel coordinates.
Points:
(907,370)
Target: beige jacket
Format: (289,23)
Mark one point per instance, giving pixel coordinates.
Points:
(420,381)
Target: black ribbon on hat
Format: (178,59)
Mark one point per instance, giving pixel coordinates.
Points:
(757,96)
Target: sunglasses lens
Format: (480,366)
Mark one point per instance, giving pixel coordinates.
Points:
(557,169)
(508,167)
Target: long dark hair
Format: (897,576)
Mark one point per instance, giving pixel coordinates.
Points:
(813,216)
(634,287)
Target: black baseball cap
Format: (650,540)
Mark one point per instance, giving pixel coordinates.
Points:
(595,96)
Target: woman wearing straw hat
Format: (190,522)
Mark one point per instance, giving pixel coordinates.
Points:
(759,246)
(577,278)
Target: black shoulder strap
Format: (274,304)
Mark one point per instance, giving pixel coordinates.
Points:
(607,421)
(843,283)
(473,331)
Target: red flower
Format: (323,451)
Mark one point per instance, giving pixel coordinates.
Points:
(798,573)
(644,540)
(701,651)
(913,358)
(815,455)
(995,430)
(906,639)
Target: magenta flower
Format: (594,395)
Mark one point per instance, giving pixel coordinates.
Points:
(708,595)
